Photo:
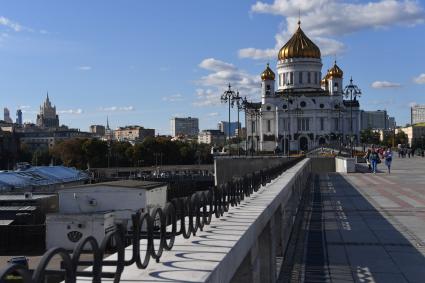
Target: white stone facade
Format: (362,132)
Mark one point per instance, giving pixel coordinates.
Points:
(306,111)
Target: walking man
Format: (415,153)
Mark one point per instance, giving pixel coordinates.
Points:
(388,159)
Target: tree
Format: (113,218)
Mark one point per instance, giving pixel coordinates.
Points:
(401,138)
(41,157)
(369,136)
(71,153)
(96,152)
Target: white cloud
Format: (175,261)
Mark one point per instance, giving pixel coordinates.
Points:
(220,75)
(22,107)
(78,111)
(385,84)
(324,19)
(212,64)
(84,68)
(173,98)
(117,109)
(212,114)
(420,79)
(11,24)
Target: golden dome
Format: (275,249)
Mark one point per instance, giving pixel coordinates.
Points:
(267,74)
(299,46)
(324,81)
(335,72)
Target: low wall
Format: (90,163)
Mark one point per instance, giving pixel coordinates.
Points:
(322,164)
(345,165)
(227,167)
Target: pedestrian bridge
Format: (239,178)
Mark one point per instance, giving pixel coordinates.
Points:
(295,222)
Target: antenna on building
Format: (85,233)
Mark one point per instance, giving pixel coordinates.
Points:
(299,16)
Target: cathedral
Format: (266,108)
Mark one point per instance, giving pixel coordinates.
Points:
(47,117)
(306,110)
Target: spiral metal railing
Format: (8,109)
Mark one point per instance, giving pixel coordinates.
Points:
(197,209)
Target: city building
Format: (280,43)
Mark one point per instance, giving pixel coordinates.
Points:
(9,148)
(47,118)
(97,130)
(133,133)
(184,126)
(391,123)
(6,116)
(376,120)
(305,111)
(19,117)
(417,114)
(43,139)
(109,133)
(212,137)
(415,134)
(223,126)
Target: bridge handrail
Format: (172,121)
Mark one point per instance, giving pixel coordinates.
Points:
(199,208)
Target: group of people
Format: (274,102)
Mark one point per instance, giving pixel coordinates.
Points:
(410,152)
(375,155)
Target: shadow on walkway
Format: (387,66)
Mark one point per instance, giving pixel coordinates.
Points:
(347,239)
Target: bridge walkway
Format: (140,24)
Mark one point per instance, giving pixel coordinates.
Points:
(363,227)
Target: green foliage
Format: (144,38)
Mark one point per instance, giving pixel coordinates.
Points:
(369,136)
(82,153)
(401,138)
(41,157)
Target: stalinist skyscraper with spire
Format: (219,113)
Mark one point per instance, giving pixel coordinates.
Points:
(48,117)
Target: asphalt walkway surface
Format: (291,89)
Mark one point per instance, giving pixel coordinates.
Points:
(364,227)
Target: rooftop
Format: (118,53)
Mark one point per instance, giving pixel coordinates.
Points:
(14,197)
(40,176)
(132,184)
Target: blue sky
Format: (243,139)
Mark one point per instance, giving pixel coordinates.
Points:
(142,62)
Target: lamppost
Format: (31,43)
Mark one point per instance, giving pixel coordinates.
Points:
(239,101)
(258,115)
(353,92)
(338,108)
(227,97)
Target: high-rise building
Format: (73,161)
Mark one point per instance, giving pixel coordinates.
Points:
(417,114)
(98,130)
(184,126)
(19,117)
(377,120)
(47,117)
(6,116)
(223,126)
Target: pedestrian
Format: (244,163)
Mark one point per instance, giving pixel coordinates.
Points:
(388,159)
(409,152)
(374,159)
(366,157)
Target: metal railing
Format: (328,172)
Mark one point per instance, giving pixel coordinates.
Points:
(197,210)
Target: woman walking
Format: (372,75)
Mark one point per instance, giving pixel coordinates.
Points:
(388,159)
(374,159)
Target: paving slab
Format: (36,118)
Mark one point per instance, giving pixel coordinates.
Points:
(374,225)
